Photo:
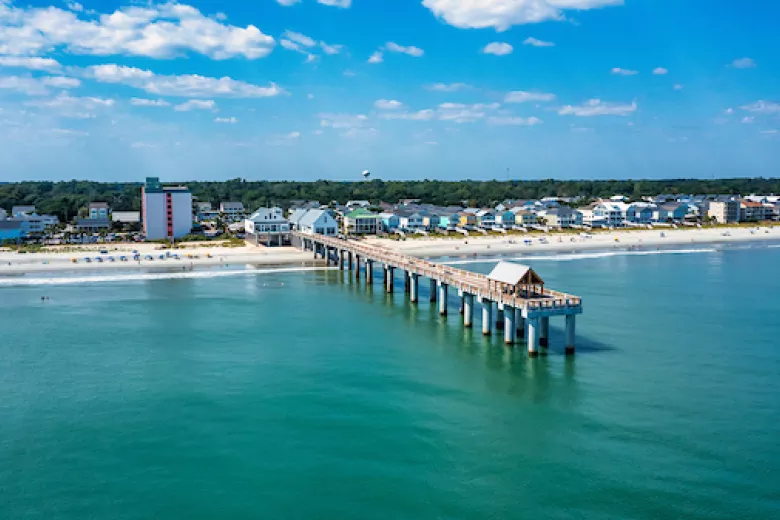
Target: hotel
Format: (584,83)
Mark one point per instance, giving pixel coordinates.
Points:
(166,211)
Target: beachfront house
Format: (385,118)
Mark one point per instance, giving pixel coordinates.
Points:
(390,221)
(431,220)
(99,211)
(486,218)
(724,211)
(362,222)
(750,211)
(448,218)
(523,217)
(410,220)
(233,211)
(670,212)
(268,226)
(561,217)
(467,218)
(20,211)
(639,213)
(319,222)
(10,230)
(505,218)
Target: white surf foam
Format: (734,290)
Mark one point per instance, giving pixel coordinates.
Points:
(134,277)
(569,257)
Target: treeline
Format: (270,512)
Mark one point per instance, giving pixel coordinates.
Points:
(65,199)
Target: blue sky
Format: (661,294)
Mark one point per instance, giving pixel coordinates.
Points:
(410,89)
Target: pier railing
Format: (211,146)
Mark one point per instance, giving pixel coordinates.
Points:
(466,281)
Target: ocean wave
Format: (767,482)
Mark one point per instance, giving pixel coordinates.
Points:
(569,257)
(135,277)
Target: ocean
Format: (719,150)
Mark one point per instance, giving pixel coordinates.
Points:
(300,394)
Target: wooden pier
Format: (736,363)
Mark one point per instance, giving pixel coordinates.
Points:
(523,305)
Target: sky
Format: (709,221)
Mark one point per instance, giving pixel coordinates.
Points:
(407,89)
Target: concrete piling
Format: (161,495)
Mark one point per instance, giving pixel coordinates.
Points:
(487,317)
(442,299)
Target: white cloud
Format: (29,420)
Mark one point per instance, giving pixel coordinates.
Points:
(596,107)
(377,57)
(32,63)
(159,30)
(461,113)
(301,39)
(769,132)
(61,82)
(502,14)
(75,6)
(762,107)
(744,63)
(331,49)
(75,107)
(36,86)
(678,86)
(448,87)
(420,115)
(748,119)
(287,3)
(537,43)
(410,50)
(624,72)
(520,96)
(514,121)
(660,71)
(187,85)
(141,144)
(140,102)
(294,41)
(498,49)
(196,104)
(388,104)
(226,120)
(336,3)
(342,121)
(69,132)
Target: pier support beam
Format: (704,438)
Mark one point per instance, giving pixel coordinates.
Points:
(570,334)
(462,307)
(544,332)
(519,324)
(468,310)
(357,267)
(349,260)
(433,290)
(509,326)
(442,299)
(414,287)
(407,282)
(487,317)
(389,278)
(499,317)
(342,259)
(533,337)
(369,272)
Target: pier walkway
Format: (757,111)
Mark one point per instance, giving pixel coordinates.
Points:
(522,309)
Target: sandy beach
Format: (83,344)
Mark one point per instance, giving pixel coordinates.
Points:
(571,242)
(203,257)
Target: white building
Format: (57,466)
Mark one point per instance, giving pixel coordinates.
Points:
(18,211)
(166,211)
(268,226)
(319,222)
(233,211)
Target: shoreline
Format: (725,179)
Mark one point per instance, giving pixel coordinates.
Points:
(13,265)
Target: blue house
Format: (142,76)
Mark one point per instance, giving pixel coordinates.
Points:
(10,230)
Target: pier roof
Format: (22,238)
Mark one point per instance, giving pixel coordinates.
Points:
(514,274)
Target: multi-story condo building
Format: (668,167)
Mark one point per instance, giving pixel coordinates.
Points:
(166,211)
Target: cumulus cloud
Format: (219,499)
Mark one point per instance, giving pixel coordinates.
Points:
(503,14)
(141,102)
(520,96)
(514,121)
(498,49)
(61,82)
(597,107)
(388,104)
(156,30)
(537,43)
(377,57)
(187,85)
(196,104)
(448,87)
(226,120)
(295,41)
(287,3)
(624,72)
(420,115)
(761,107)
(32,63)
(409,51)
(744,63)
(344,4)
(660,71)
(36,86)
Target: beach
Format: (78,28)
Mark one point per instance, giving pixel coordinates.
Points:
(574,242)
(201,256)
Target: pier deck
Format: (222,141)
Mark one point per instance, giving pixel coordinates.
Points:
(516,311)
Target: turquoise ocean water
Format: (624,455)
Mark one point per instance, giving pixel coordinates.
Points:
(301,395)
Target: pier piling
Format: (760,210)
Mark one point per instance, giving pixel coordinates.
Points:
(544,332)
(468,310)
(414,285)
(519,324)
(533,337)
(570,334)
(487,319)
(442,299)
(509,326)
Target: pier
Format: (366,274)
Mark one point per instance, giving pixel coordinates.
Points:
(512,294)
